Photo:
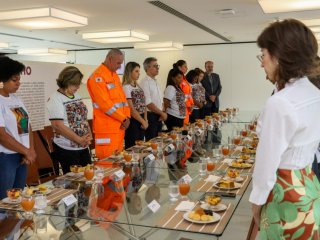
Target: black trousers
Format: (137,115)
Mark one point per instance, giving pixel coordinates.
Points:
(172,122)
(196,114)
(133,133)
(155,126)
(209,110)
(67,158)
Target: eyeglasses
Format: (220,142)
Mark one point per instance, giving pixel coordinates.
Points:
(156,66)
(260,57)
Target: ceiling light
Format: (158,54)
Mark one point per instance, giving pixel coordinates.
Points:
(115,37)
(275,6)
(42,51)
(4,45)
(159,46)
(42,18)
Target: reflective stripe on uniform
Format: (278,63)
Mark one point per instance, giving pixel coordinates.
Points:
(95,105)
(102,140)
(110,85)
(115,106)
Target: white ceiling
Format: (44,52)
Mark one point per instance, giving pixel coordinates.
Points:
(141,16)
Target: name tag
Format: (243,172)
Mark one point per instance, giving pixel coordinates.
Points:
(210,127)
(154,206)
(189,138)
(69,200)
(169,148)
(187,178)
(120,174)
(151,157)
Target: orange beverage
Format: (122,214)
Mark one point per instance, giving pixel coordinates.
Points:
(27,203)
(154,145)
(251,127)
(236,140)
(225,151)
(184,188)
(210,166)
(173,136)
(127,157)
(244,133)
(89,174)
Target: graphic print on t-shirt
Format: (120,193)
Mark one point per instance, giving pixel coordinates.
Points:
(22,119)
(77,118)
(138,100)
(180,97)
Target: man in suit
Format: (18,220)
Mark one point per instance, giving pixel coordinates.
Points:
(212,85)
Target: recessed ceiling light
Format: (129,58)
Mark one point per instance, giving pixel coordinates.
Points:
(42,18)
(115,37)
(42,51)
(159,46)
(275,6)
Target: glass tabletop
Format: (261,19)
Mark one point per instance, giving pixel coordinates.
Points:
(140,198)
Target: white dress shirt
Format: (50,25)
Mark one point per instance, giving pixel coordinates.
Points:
(152,91)
(289,133)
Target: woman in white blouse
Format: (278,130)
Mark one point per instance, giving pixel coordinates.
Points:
(174,100)
(286,193)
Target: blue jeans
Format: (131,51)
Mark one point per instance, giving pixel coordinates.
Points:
(13,174)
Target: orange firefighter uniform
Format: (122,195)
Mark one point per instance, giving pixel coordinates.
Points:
(186,89)
(110,110)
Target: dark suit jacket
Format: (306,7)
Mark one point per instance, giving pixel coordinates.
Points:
(216,88)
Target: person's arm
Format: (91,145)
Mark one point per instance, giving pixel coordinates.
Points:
(218,91)
(150,105)
(100,96)
(166,104)
(278,127)
(12,144)
(136,115)
(65,131)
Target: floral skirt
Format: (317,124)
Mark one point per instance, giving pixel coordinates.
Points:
(292,210)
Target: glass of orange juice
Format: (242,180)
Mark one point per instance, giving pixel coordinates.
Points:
(27,203)
(184,188)
(89,173)
(210,165)
(225,150)
(127,157)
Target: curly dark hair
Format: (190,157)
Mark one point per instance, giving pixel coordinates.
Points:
(9,68)
(295,48)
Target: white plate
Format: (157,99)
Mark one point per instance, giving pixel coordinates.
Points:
(217,208)
(9,201)
(216,218)
(230,165)
(236,186)
(237,179)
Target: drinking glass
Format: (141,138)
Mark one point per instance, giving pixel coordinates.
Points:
(236,139)
(210,165)
(225,150)
(40,202)
(184,188)
(27,203)
(135,157)
(173,191)
(127,157)
(202,167)
(216,153)
(89,173)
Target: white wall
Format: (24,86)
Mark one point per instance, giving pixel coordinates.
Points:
(243,80)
